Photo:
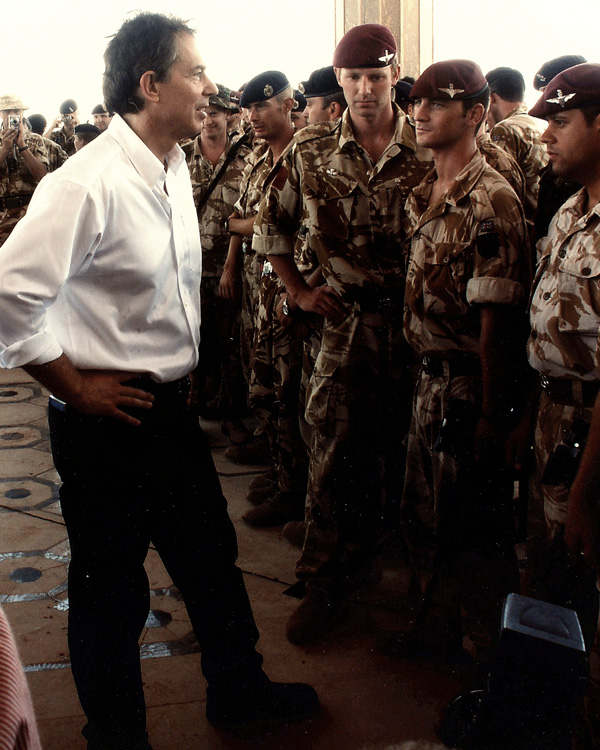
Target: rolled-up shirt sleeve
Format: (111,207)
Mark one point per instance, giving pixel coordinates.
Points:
(278,218)
(46,247)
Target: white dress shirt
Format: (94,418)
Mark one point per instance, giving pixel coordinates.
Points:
(105,267)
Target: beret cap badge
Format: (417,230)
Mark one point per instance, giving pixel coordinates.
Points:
(268,90)
(561,98)
(386,57)
(451,91)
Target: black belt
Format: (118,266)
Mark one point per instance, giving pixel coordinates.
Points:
(458,366)
(570,392)
(374,300)
(15,201)
(175,390)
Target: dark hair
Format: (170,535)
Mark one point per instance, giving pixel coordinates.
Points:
(482,98)
(337,98)
(146,42)
(590,113)
(38,124)
(508,83)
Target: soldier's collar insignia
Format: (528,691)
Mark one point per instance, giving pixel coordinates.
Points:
(451,91)
(386,57)
(333,172)
(268,90)
(561,98)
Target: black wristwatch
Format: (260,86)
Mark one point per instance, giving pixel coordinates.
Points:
(226,225)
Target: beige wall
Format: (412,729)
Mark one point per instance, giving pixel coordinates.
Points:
(411,21)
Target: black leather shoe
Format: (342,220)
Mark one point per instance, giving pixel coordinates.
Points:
(260,706)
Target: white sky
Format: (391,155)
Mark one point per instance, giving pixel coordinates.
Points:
(51,52)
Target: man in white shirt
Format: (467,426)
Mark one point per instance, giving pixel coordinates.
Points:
(100,288)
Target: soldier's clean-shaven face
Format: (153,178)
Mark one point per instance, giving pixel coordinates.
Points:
(573,145)
(368,91)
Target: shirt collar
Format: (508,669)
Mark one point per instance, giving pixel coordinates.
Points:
(149,167)
(463,184)
(401,136)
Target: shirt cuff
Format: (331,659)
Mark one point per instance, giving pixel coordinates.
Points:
(36,350)
(274,244)
(490,290)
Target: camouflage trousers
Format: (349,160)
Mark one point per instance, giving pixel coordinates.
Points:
(550,574)
(9,218)
(457,513)
(218,378)
(358,409)
(311,348)
(275,387)
(252,268)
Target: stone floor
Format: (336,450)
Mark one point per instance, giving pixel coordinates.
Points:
(368,699)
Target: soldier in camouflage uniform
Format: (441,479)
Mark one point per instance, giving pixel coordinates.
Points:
(564,348)
(277,356)
(554,190)
(269,101)
(503,163)
(465,284)
(211,155)
(23,162)
(517,132)
(62,130)
(347,181)
(324,101)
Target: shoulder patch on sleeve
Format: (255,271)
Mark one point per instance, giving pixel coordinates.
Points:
(488,242)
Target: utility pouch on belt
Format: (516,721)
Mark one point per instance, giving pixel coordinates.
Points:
(563,462)
(457,432)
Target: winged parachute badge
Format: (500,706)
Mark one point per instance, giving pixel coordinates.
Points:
(268,90)
(386,57)
(451,91)
(561,98)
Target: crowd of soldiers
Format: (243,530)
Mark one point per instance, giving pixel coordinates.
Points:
(400,282)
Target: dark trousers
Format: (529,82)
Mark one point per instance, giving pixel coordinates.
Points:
(123,488)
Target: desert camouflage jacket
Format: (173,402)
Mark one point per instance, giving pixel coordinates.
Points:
(503,163)
(57,156)
(220,204)
(259,164)
(67,143)
(565,305)
(466,250)
(353,209)
(519,135)
(15,178)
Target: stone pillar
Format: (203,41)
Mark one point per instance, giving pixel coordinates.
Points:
(411,22)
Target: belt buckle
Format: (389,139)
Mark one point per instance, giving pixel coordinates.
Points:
(545,383)
(267,269)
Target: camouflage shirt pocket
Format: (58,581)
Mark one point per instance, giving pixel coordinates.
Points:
(447,270)
(579,295)
(329,198)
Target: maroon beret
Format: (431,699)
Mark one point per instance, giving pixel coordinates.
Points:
(574,88)
(451,79)
(368,46)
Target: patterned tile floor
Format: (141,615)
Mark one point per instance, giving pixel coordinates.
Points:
(368,700)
